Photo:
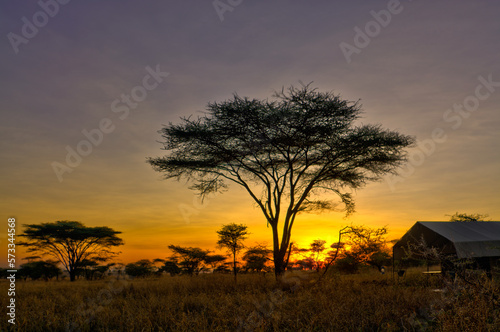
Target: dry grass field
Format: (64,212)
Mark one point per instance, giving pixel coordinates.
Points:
(363,302)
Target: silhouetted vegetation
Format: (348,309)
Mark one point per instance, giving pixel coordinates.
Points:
(316,248)
(215,260)
(92,269)
(191,260)
(363,245)
(468,217)
(284,152)
(45,270)
(142,268)
(70,242)
(231,237)
(256,258)
(171,267)
(365,300)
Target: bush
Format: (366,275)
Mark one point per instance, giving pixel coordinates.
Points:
(142,268)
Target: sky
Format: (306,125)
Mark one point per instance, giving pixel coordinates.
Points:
(85,87)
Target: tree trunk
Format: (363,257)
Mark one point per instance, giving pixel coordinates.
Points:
(278,253)
(279,264)
(279,268)
(72,275)
(234,265)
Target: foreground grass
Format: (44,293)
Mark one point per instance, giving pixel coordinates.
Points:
(369,302)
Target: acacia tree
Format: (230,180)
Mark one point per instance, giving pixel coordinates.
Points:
(40,269)
(214,260)
(283,152)
(316,248)
(141,268)
(71,243)
(466,217)
(363,245)
(256,258)
(231,237)
(91,269)
(192,259)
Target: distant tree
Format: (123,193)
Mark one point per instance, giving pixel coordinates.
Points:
(191,260)
(316,248)
(171,267)
(86,268)
(363,245)
(158,263)
(285,153)
(70,242)
(310,256)
(223,268)
(307,263)
(142,268)
(39,270)
(465,217)
(92,269)
(214,260)
(118,269)
(256,258)
(231,237)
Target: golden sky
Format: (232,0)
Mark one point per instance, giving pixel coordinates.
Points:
(432,71)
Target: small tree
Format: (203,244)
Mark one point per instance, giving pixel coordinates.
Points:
(40,269)
(70,242)
(171,267)
(360,245)
(91,269)
(465,217)
(307,263)
(214,260)
(191,259)
(231,237)
(256,258)
(158,264)
(316,248)
(142,268)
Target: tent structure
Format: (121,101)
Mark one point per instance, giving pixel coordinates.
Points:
(478,241)
(464,239)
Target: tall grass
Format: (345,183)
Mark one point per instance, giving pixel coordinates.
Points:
(368,302)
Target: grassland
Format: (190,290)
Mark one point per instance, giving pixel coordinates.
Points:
(363,302)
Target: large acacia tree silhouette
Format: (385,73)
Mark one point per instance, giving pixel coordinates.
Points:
(283,152)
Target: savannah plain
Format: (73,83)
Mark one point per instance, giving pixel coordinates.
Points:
(367,301)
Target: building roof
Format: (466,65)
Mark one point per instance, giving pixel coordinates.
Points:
(465,239)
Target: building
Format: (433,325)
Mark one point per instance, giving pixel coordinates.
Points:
(478,242)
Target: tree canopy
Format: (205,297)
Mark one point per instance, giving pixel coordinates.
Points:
(285,153)
(192,259)
(141,268)
(468,217)
(215,260)
(40,269)
(71,242)
(256,258)
(363,245)
(231,237)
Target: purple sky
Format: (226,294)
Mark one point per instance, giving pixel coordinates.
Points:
(63,79)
